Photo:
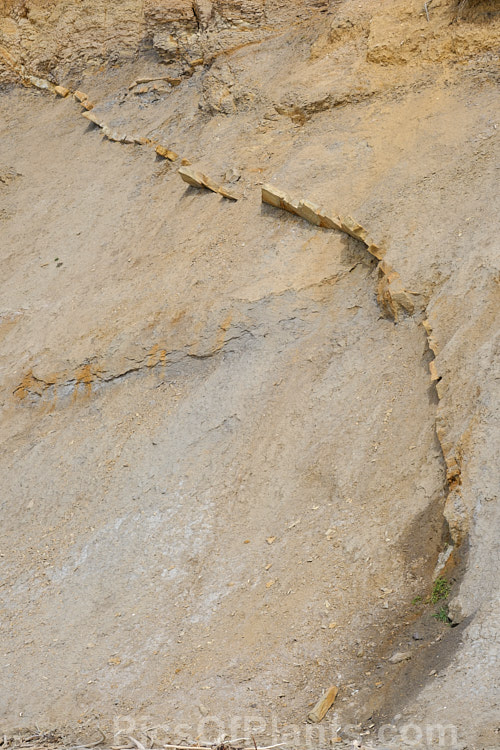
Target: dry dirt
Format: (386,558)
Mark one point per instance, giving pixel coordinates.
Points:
(228,481)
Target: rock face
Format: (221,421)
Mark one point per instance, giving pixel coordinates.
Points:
(241,439)
(65,36)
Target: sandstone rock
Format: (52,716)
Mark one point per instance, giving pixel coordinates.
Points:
(300,207)
(377,251)
(197,179)
(115,136)
(80,96)
(431,339)
(166,153)
(433,370)
(273,196)
(355,230)
(91,117)
(313,213)
(391,294)
(61,91)
(203,11)
(40,83)
(400,656)
(323,705)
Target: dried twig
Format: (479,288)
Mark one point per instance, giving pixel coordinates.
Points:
(226,745)
(138,744)
(189,747)
(92,744)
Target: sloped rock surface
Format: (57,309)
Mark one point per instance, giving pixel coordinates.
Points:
(238,444)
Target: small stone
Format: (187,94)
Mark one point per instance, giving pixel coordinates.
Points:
(400,656)
(92,118)
(417,637)
(166,153)
(232,175)
(61,91)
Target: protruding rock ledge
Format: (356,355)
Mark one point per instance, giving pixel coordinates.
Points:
(166,153)
(391,294)
(114,135)
(301,207)
(392,297)
(321,217)
(62,91)
(199,180)
(91,117)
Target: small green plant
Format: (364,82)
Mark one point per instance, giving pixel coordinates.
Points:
(442,615)
(440,590)
(416,601)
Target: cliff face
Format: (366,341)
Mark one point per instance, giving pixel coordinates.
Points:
(55,38)
(239,445)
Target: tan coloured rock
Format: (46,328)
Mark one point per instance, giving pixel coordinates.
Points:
(115,136)
(273,196)
(300,207)
(80,96)
(91,117)
(200,180)
(319,216)
(377,251)
(391,294)
(431,339)
(351,227)
(461,325)
(196,179)
(323,705)
(40,83)
(433,370)
(166,153)
(61,91)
